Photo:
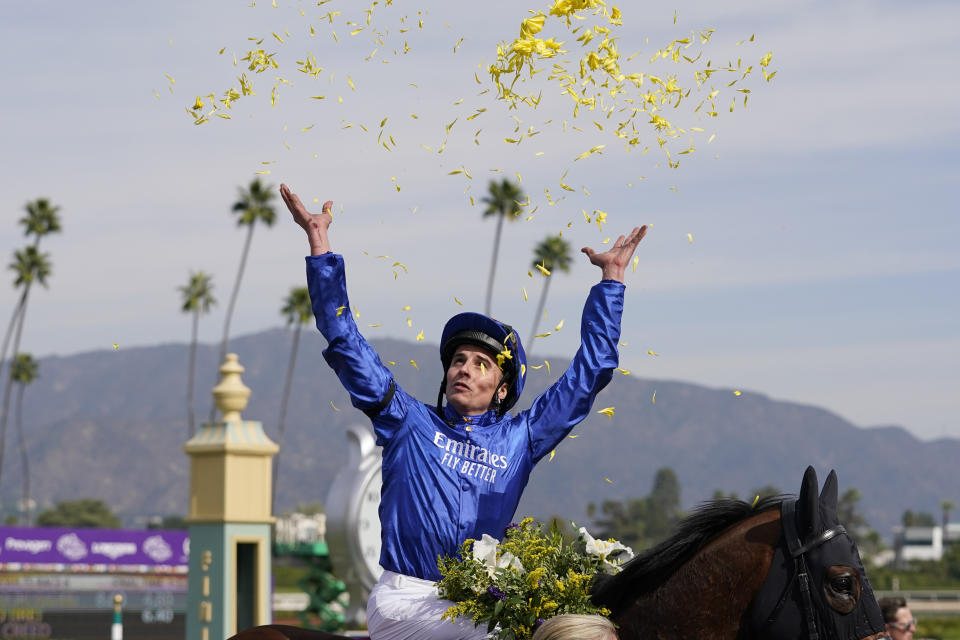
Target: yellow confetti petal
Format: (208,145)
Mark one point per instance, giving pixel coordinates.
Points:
(607,411)
(543,270)
(737,393)
(756,500)
(653,400)
(334,406)
(524,293)
(547,365)
(483,370)
(625,372)
(559,326)
(653,353)
(406,308)
(455,299)
(420,336)
(608,480)
(414,364)
(115,346)
(552,453)
(690,238)
(340,310)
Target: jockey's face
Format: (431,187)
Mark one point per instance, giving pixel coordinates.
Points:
(472,377)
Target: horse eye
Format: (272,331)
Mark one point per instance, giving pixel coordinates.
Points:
(842,584)
(842,588)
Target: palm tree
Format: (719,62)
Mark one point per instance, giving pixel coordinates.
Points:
(23,370)
(503,201)
(946,506)
(552,253)
(254,205)
(298,311)
(41,220)
(30,266)
(197,298)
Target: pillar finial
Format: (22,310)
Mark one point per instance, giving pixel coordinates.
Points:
(231,395)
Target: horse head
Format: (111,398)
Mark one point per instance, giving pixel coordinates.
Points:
(779,569)
(823,588)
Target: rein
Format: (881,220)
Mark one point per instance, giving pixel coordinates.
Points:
(798,551)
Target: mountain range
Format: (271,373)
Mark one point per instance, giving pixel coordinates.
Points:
(111,424)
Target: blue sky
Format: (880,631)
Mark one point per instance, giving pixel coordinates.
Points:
(824,215)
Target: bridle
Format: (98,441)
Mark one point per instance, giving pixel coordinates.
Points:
(798,551)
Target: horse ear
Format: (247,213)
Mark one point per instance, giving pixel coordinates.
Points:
(808,505)
(828,496)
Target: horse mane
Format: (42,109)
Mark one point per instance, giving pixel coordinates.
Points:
(650,569)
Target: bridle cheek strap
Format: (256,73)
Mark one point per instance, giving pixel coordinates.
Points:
(798,551)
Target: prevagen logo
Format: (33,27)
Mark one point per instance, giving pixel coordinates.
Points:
(27,545)
(157,548)
(71,546)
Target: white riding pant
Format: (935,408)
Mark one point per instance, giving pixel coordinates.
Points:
(405,608)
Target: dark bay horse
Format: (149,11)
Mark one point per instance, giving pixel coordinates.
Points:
(781,569)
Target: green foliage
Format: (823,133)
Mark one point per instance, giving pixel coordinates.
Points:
(945,628)
(297,308)
(197,295)
(641,522)
(79,513)
(537,576)
(918,519)
(254,204)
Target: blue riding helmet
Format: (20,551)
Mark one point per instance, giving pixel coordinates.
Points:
(478,329)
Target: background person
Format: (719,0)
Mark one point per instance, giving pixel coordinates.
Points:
(900,622)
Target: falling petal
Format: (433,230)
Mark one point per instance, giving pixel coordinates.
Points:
(420,336)
(623,371)
(608,480)
(334,406)
(737,392)
(115,346)
(608,411)
(653,400)
(552,453)
(690,238)
(653,353)
(340,310)
(414,364)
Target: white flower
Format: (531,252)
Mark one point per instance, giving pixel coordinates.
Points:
(485,551)
(604,548)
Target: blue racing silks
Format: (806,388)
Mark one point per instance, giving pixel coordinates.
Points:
(446,479)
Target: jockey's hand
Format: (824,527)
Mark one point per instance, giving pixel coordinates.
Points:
(614,261)
(315,224)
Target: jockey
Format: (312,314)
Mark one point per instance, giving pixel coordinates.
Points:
(455,471)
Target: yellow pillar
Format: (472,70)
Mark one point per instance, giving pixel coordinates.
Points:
(229,517)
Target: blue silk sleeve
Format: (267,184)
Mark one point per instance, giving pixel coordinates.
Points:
(355,362)
(568,401)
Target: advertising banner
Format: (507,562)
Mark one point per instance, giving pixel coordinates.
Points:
(101,549)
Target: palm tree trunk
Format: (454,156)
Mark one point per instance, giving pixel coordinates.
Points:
(536,318)
(24,461)
(190,372)
(9,383)
(13,323)
(283,415)
(493,263)
(233,302)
